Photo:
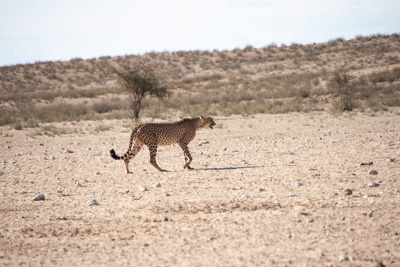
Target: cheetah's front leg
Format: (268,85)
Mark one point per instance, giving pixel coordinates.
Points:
(186,154)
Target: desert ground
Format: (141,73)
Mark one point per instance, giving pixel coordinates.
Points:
(267,190)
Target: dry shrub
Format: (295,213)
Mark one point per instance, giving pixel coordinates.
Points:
(31,115)
(340,84)
(385,76)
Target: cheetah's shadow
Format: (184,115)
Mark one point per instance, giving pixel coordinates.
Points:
(225,168)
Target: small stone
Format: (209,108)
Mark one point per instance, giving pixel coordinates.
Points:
(367,163)
(348,192)
(39,197)
(321,252)
(203,142)
(78,184)
(143,188)
(343,257)
(373,172)
(379,264)
(297,184)
(70,151)
(373,184)
(157,185)
(390,160)
(53,158)
(261,189)
(369,213)
(92,202)
(244,196)
(59,190)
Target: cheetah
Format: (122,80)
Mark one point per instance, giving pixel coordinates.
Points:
(163,134)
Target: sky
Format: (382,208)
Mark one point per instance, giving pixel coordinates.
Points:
(50,30)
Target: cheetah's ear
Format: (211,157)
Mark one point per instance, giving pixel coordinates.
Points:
(202,118)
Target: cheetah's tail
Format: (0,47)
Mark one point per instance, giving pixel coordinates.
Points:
(115,156)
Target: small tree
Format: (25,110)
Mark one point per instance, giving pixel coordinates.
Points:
(340,82)
(140,81)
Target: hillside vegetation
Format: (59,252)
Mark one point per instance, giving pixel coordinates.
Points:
(272,79)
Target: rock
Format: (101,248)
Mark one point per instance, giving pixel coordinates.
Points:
(321,252)
(244,196)
(39,197)
(59,190)
(143,188)
(203,142)
(373,172)
(157,185)
(390,160)
(261,189)
(367,163)
(297,184)
(373,184)
(78,184)
(92,202)
(348,192)
(369,213)
(343,257)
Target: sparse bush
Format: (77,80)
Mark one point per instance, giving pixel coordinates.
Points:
(6,116)
(106,106)
(385,76)
(140,80)
(102,127)
(51,131)
(340,84)
(248,48)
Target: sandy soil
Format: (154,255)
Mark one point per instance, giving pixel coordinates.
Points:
(266,190)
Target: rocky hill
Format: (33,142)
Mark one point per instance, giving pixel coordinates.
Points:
(248,80)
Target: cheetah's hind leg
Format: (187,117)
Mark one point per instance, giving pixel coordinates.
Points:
(153,155)
(132,152)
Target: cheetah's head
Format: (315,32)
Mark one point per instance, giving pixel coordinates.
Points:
(206,122)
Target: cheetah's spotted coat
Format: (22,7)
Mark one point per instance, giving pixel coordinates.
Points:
(162,134)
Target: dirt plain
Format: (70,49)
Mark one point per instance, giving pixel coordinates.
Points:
(267,190)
